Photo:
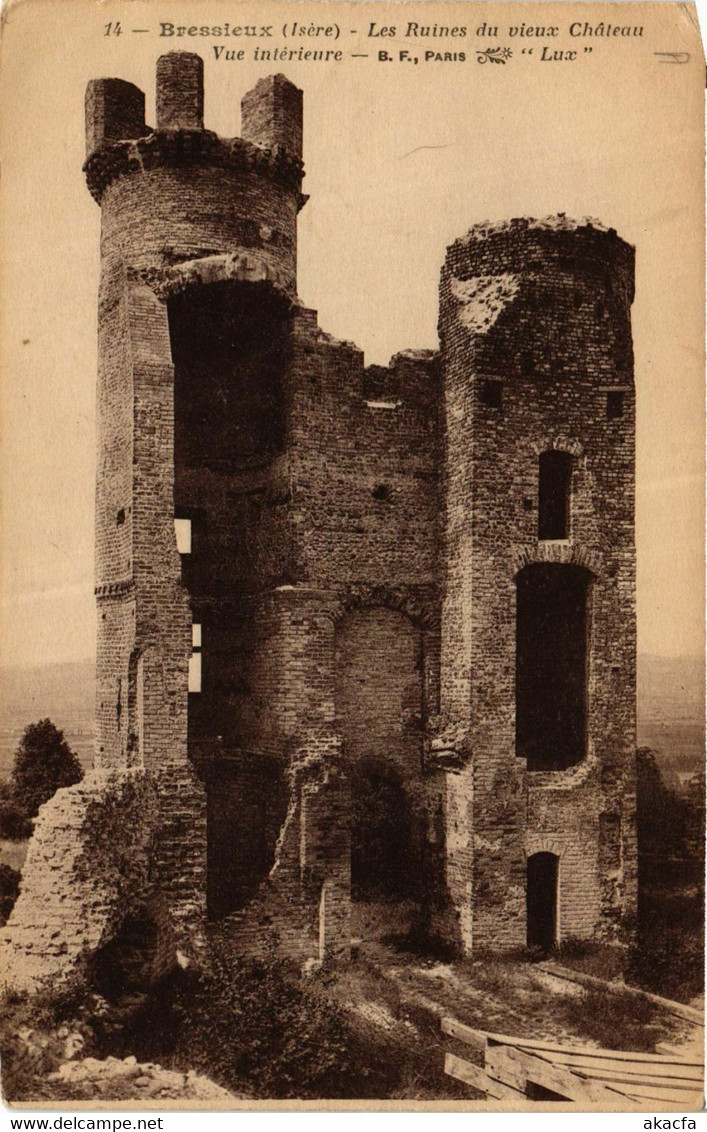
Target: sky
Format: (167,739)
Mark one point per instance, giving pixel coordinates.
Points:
(401,159)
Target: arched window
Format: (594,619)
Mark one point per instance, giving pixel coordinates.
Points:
(554,484)
(551,665)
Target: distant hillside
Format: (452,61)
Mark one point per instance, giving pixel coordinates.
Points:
(671,711)
(63,692)
(670,707)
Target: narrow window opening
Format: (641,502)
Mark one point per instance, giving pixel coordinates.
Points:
(182,530)
(195,669)
(554,495)
(614,405)
(120,517)
(492,394)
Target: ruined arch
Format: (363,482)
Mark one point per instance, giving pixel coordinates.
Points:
(419,604)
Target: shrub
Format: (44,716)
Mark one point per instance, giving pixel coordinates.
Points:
(14,823)
(254,1027)
(9,891)
(32,1034)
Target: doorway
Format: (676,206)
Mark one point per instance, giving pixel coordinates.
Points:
(541,900)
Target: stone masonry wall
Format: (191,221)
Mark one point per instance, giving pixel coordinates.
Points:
(83,875)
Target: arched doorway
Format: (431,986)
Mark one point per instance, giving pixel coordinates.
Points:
(541,900)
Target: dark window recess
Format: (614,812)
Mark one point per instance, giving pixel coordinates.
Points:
(551,665)
(381,492)
(120,518)
(554,485)
(230,345)
(492,394)
(614,405)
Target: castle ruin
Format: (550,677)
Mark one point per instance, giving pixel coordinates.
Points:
(364,633)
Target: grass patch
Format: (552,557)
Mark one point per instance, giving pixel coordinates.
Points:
(592,958)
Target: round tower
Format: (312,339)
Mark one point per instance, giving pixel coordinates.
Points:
(198,283)
(179,192)
(538,651)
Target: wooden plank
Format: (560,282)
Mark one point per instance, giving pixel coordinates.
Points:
(673,1069)
(475,1076)
(585,1051)
(558,1079)
(678,1098)
(627,1079)
(504,1068)
(474,1038)
(619,1072)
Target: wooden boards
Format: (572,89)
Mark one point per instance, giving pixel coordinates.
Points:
(516,1069)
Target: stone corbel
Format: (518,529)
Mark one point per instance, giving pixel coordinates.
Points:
(446,748)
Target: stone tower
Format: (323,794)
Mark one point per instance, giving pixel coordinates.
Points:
(198,269)
(538,621)
(365,634)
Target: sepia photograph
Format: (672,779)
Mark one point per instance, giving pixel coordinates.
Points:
(352,642)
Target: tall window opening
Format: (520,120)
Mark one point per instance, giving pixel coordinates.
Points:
(551,665)
(554,486)
(182,531)
(379,704)
(245,810)
(541,900)
(195,659)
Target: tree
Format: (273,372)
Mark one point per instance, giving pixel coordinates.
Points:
(14,824)
(661,816)
(44,762)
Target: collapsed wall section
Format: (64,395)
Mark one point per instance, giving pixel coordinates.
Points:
(87,870)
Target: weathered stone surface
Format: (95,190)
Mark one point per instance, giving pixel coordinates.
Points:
(87,867)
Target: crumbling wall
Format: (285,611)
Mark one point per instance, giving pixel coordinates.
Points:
(88,866)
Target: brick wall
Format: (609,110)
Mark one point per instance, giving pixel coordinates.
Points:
(83,876)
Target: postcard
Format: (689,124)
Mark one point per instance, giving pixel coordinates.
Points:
(353,625)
